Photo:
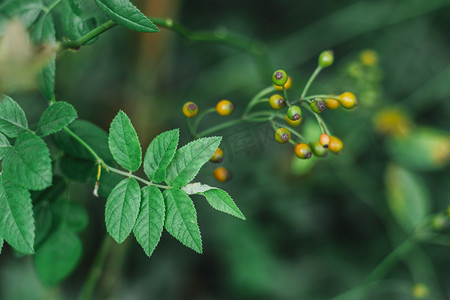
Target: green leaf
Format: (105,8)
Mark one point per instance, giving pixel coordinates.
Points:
(159,154)
(150,222)
(408,197)
(189,159)
(58,256)
(122,209)
(74,24)
(1,245)
(56,117)
(93,135)
(44,32)
(26,11)
(16,217)
(71,214)
(43,218)
(196,188)
(12,118)
(5,146)
(124,143)
(124,13)
(221,201)
(28,163)
(181,219)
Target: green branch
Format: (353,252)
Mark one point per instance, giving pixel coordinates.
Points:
(311,79)
(75,45)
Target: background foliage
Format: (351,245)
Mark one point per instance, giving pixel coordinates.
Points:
(312,225)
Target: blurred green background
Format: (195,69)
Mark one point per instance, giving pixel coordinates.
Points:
(314,229)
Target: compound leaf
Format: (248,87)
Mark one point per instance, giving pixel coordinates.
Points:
(124,143)
(189,159)
(16,217)
(58,256)
(150,222)
(181,219)
(221,201)
(56,117)
(28,163)
(44,33)
(124,13)
(122,209)
(12,118)
(159,154)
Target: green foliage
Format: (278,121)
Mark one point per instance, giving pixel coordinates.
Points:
(16,217)
(124,143)
(124,13)
(189,159)
(27,11)
(74,24)
(159,154)
(221,201)
(5,146)
(12,118)
(181,219)
(150,222)
(28,163)
(408,197)
(44,33)
(122,209)
(58,256)
(55,118)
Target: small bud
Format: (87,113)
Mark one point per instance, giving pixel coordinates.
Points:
(294,113)
(217,157)
(326,58)
(279,77)
(282,135)
(303,151)
(224,107)
(190,109)
(277,102)
(318,106)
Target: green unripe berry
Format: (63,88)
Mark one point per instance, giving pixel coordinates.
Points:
(282,135)
(294,113)
(279,77)
(277,102)
(326,59)
(318,150)
(318,106)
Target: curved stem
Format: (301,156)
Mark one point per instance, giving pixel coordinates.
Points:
(286,97)
(311,79)
(191,129)
(200,117)
(96,270)
(84,144)
(220,127)
(255,99)
(322,96)
(323,126)
(88,36)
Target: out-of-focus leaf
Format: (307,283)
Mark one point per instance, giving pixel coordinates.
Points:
(26,11)
(70,214)
(407,197)
(43,218)
(423,149)
(58,256)
(77,169)
(74,23)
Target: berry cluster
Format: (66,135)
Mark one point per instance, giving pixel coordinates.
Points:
(293,116)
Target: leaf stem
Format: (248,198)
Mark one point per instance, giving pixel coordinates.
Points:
(311,79)
(75,45)
(191,129)
(84,144)
(323,126)
(255,99)
(286,97)
(200,117)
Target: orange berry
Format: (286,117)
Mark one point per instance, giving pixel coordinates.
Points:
(221,174)
(324,140)
(224,107)
(303,151)
(332,103)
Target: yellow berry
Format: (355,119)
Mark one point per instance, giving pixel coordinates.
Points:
(347,100)
(293,123)
(282,135)
(368,58)
(287,85)
(332,103)
(420,291)
(217,157)
(224,107)
(277,101)
(190,109)
(335,144)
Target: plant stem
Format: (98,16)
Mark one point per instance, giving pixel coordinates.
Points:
(191,129)
(106,166)
(88,36)
(96,270)
(200,117)
(286,97)
(220,127)
(311,79)
(320,121)
(255,99)
(322,96)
